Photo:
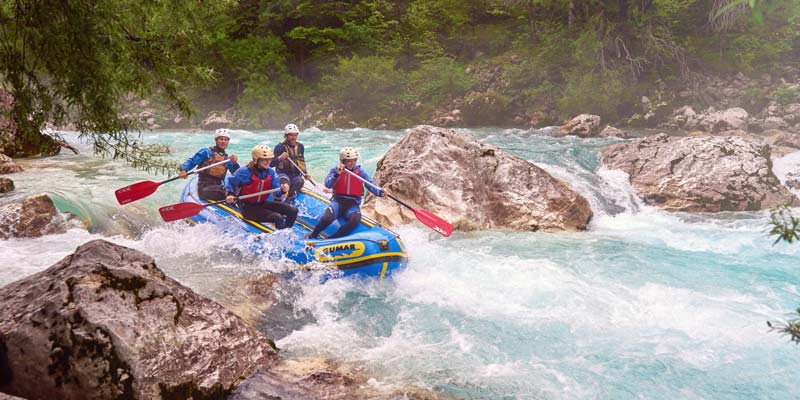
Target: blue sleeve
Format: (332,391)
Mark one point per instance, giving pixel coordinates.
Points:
(278,151)
(365,175)
(237,179)
(195,160)
(276,182)
(330,180)
(232,166)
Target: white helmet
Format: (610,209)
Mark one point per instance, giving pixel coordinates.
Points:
(348,153)
(222,132)
(261,151)
(291,128)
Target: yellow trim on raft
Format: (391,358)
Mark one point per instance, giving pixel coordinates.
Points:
(383,270)
(369,257)
(400,244)
(258,225)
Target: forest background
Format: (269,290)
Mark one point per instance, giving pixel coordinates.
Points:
(96,64)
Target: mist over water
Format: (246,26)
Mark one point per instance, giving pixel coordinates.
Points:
(646,304)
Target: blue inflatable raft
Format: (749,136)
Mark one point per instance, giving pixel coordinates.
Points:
(370,250)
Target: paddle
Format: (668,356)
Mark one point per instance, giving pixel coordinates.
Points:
(178,211)
(301,171)
(426,217)
(140,190)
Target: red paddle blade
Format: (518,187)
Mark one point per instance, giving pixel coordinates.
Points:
(178,211)
(136,191)
(433,221)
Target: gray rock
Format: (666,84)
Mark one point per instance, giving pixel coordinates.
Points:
(473,185)
(700,174)
(716,121)
(584,125)
(774,123)
(35,217)
(105,323)
(8,165)
(610,131)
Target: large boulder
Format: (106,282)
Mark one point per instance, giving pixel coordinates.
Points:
(473,185)
(106,323)
(700,174)
(35,217)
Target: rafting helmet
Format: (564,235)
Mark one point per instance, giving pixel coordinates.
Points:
(261,151)
(291,128)
(222,132)
(348,153)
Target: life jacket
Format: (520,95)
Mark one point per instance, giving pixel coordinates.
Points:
(348,185)
(294,153)
(256,185)
(214,174)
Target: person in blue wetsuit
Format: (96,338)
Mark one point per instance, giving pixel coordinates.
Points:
(294,150)
(347,194)
(209,182)
(256,177)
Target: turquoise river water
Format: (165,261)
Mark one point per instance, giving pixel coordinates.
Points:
(644,305)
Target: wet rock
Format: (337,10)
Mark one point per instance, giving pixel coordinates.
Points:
(215,120)
(105,322)
(700,174)
(610,131)
(473,185)
(584,125)
(776,137)
(36,216)
(8,165)
(316,378)
(6,185)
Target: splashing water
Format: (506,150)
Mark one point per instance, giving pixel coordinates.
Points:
(646,304)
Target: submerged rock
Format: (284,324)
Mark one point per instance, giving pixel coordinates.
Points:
(105,322)
(36,216)
(700,174)
(319,378)
(6,185)
(473,185)
(8,165)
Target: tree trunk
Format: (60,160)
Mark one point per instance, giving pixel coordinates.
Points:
(571,15)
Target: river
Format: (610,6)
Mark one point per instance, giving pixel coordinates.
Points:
(645,304)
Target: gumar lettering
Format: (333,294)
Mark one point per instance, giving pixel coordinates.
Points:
(331,249)
(340,251)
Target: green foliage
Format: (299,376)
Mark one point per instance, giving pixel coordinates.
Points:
(78,59)
(259,64)
(485,108)
(787,228)
(423,31)
(784,225)
(755,99)
(751,52)
(363,85)
(599,93)
(785,96)
(437,81)
(374,60)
